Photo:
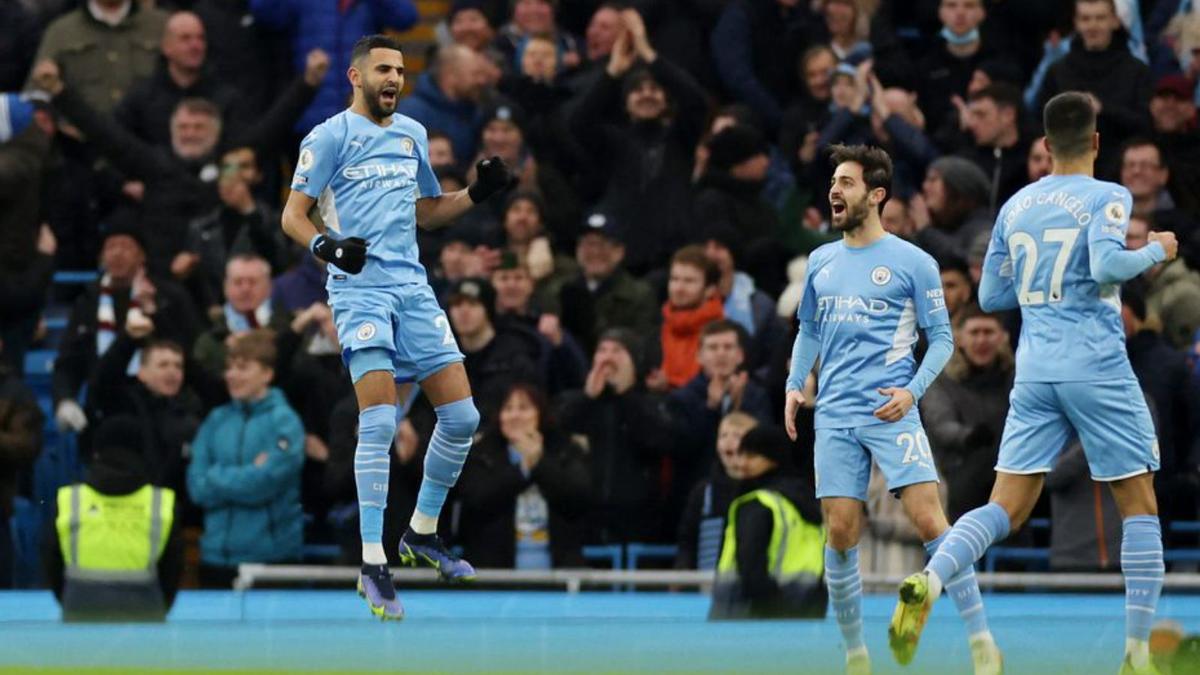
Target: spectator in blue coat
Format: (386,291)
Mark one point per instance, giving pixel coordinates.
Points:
(446,98)
(332,27)
(245,470)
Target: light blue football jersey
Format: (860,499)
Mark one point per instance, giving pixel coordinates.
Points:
(367,180)
(867,304)
(1058,251)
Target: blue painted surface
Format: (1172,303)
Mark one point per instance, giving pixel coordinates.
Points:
(476,631)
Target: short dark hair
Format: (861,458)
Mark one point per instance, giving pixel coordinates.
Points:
(1141,142)
(1111,3)
(974,311)
(159,344)
(694,255)
(368,42)
(721,326)
(1070,122)
(1003,94)
(1133,296)
(875,162)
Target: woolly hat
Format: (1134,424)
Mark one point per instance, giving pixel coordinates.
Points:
(734,145)
(964,177)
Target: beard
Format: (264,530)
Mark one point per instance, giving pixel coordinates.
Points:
(375,104)
(855,215)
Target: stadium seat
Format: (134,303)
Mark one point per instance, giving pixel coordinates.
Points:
(610,554)
(634,553)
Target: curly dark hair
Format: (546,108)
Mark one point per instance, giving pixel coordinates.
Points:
(875,163)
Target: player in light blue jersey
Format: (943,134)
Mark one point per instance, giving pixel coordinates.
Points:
(1058,253)
(367,170)
(864,299)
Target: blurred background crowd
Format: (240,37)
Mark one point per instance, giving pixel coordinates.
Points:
(626,311)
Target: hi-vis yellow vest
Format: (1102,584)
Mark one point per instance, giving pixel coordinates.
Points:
(797,547)
(795,561)
(111,546)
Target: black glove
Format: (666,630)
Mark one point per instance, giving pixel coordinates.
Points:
(349,255)
(491,176)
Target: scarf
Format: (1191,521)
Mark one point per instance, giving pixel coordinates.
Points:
(106,321)
(237,322)
(681,338)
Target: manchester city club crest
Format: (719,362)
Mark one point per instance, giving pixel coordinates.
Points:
(366,331)
(881,275)
(406,145)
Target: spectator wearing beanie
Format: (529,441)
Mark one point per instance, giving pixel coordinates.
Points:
(956,194)
(751,585)
(628,431)
(495,356)
(102,524)
(641,125)
(730,191)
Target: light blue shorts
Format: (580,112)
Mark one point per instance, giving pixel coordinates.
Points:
(403,322)
(843,458)
(1110,419)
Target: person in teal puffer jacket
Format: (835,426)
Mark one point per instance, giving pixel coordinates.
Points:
(245,468)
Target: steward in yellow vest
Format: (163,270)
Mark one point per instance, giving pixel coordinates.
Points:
(115,555)
(772,557)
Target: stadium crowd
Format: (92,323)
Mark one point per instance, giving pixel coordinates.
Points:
(626,311)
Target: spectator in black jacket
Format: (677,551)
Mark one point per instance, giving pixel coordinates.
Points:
(627,431)
(495,356)
(248,306)
(104,308)
(243,53)
(1100,63)
(20,444)
(645,162)
(946,70)
(243,223)
(703,523)
(951,212)
(1000,148)
(168,415)
(965,408)
(755,46)
(1174,112)
(27,248)
(730,190)
(524,490)
(180,181)
(1165,377)
(148,105)
(567,363)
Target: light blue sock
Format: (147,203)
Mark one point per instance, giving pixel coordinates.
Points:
(447,452)
(1142,565)
(845,592)
(967,541)
(372,458)
(964,589)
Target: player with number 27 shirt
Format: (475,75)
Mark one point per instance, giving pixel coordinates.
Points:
(1058,252)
